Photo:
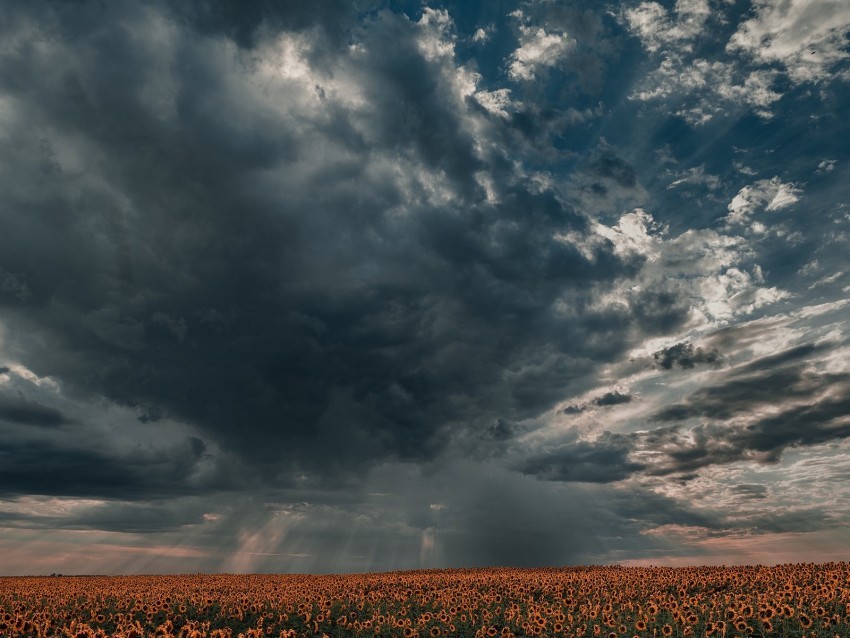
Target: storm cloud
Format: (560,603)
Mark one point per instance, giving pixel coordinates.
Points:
(684,355)
(343,311)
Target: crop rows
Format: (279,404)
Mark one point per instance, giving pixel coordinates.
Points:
(786,601)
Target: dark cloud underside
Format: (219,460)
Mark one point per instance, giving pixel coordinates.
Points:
(174,275)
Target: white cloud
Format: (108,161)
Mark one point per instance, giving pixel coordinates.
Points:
(768,194)
(436,40)
(659,30)
(286,58)
(695,176)
(538,49)
(702,252)
(482,35)
(807,37)
(497,102)
(635,234)
(704,267)
(707,88)
(828,279)
(825,166)
(810,269)
(648,21)
(755,91)
(801,39)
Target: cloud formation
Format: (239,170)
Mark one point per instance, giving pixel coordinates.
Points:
(537,50)
(685,356)
(807,38)
(768,195)
(795,42)
(310,282)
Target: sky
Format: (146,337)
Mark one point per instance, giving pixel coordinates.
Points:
(363,285)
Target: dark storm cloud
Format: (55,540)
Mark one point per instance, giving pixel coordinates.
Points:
(608,165)
(44,466)
(19,410)
(13,285)
(606,182)
(112,516)
(768,380)
(604,460)
(762,441)
(612,398)
(606,400)
(575,408)
(501,430)
(685,356)
(138,518)
(808,408)
(246,22)
(301,323)
(532,130)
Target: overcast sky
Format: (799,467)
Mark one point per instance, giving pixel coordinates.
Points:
(367,285)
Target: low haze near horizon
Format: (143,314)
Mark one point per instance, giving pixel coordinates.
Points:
(347,286)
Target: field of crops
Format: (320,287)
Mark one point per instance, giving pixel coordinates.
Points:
(788,601)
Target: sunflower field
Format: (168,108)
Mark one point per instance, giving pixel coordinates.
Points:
(785,601)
